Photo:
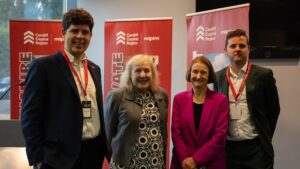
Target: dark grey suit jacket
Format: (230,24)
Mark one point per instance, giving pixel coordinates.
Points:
(51,115)
(262,99)
(121,132)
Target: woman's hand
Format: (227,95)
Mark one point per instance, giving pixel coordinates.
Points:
(189,163)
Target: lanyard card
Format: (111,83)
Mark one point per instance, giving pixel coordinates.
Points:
(86,108)
(235,112)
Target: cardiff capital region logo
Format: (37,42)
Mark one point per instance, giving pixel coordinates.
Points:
(28,37)
(199,33)
(120,38)
(39,39)
(206,33)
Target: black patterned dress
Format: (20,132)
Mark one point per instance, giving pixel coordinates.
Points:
(148,149)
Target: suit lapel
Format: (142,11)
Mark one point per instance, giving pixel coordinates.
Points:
(66,71)
(97,81)
(206,112)
(223,83)
(159,98)
(250,86)
(190,113)
(93,72)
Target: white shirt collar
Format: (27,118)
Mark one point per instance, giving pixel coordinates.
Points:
(243,70)
(72,58)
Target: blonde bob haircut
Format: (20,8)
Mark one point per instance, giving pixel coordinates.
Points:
(203,60)
(126,80)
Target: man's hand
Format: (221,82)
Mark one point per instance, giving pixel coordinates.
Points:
(39,165)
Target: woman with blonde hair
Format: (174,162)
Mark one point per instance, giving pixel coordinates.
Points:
(136,117)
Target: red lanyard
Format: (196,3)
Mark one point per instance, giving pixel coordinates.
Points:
(86,77)
(236,95)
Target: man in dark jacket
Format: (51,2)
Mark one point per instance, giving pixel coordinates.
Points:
(254,106)
(62,111)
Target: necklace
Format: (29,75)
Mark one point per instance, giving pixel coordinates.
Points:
(199,96)
(198,99)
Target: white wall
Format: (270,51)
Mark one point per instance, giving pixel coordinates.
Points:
(287,136)
(286,71)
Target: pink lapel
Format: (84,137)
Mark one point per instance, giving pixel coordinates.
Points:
(205,120)
(190,113)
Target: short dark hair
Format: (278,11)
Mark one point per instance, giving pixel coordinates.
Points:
(234,33)
(204,60)
(77,16)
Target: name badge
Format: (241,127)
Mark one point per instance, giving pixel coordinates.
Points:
(235,112)
(86,108)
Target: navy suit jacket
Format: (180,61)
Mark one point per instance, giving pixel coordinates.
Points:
(51,115)
(262,99)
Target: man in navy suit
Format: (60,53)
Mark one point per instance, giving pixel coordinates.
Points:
(253,104)
(62,111)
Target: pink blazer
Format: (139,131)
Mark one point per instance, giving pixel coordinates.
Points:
(207,146)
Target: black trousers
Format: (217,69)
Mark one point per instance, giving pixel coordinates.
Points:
(247,154)
(89,157)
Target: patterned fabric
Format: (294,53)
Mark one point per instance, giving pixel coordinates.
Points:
(148,148)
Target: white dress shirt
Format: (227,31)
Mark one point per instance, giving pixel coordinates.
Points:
(91,126)
(240,126)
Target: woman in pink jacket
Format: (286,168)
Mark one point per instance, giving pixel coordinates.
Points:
(199,121)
